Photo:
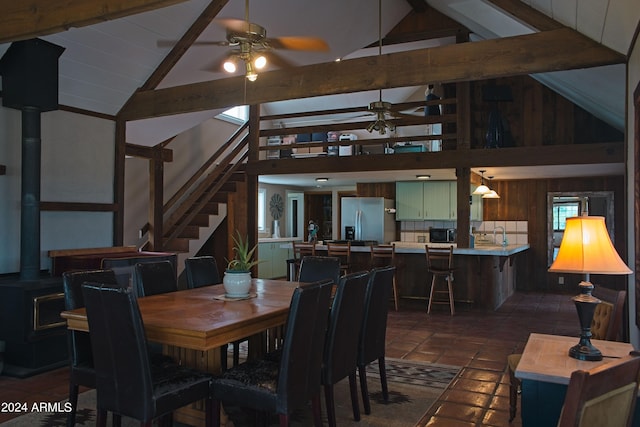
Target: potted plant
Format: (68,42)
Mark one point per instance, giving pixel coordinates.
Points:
(237,276)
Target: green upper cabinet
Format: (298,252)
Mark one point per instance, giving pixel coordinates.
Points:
(436,200)
(476,205)
(409,201)
(440,202)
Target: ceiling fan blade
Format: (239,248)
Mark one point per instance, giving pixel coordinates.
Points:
(172,43)
(278,60)
(236,25)
(299,43)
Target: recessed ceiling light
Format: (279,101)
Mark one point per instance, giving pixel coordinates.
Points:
(322,179)
(423,176)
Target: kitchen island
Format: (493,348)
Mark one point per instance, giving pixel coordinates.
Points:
(485,276)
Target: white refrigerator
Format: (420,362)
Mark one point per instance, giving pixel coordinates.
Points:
(373,218)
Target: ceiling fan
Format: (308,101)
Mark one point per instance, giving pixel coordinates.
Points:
(252,46)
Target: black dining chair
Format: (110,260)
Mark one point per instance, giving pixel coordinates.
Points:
(81,369)
(314,268)
(126,383)
(372,343)
(153,278)
(281,385)
(201,271)
(341,345)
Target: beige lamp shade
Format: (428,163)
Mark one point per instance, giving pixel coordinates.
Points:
(587,248)
(482,189)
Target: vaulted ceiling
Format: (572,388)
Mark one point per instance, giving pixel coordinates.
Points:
(106,62)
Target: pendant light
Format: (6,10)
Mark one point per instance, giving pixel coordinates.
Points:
(482,189)
(491,194)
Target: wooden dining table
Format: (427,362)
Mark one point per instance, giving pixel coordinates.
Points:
(193,324)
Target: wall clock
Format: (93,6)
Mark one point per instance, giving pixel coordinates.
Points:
(276,206)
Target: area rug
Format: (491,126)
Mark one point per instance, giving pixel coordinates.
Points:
(413,388)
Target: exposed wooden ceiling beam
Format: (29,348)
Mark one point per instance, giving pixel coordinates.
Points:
(26,19)
(555,50)
(185,42)
(418,5)
(503,157)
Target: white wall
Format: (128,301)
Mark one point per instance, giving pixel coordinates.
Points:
(77,163)
(190,150)
(633,76)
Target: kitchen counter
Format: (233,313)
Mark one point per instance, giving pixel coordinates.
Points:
(482,250)
(278,239)
(485,276)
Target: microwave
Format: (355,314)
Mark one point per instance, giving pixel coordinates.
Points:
(442,235)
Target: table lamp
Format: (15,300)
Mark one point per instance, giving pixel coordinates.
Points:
(586,248)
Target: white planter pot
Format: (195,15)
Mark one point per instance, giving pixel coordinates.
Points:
(237,283)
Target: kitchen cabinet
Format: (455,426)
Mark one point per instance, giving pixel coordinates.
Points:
(476,205)
(273,260)
(436,200)
(409,200)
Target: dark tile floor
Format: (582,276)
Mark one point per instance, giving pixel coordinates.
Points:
(478,341)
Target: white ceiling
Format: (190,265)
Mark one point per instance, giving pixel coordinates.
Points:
(103,64)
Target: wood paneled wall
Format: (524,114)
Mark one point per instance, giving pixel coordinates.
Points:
(536,116)
(526,200)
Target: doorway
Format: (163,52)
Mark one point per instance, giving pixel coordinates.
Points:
(318,207)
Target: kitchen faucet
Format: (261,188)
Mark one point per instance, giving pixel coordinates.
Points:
(504,235)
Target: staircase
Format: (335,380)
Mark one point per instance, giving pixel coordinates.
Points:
(199,216)
(197,204)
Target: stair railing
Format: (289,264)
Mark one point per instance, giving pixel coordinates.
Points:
(194,195)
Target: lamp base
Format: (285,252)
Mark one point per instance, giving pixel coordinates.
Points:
(584,350)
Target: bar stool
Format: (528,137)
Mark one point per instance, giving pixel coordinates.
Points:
(300,250)
(440,264)
(342,251)
(382,256)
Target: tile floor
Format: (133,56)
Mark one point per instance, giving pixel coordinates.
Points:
(478,341)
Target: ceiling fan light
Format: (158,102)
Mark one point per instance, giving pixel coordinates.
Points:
(251,74)
(229,66)
(260,62)
(371,126)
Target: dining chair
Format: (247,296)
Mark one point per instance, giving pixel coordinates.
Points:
(314,268)
(81,369)
(343,252)
(153,278)
(383,255)
(605,325)
(341,345)
(300,250)
(201,271)
(287,382)
(440,264)
(372,342)
(126,383)
(602,396)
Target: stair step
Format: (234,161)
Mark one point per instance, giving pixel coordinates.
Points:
(200,220)
(177,245)
(190,232)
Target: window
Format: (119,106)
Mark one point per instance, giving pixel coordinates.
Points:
(238,114)
(262,209)
(563,211)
